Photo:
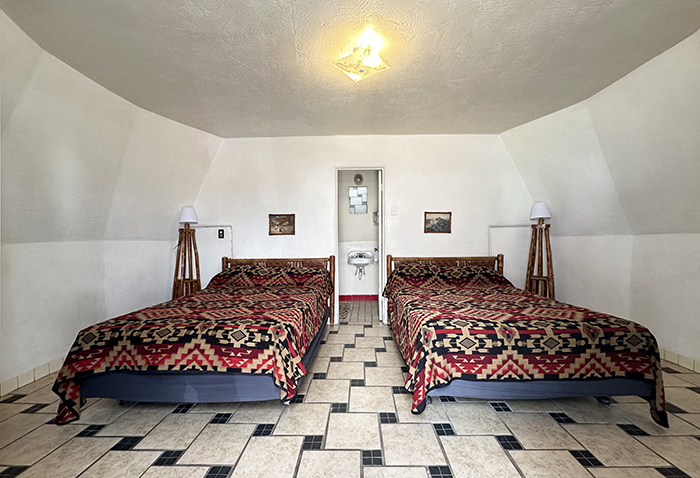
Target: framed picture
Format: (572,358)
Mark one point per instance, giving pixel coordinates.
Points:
(438,222)
(281,224)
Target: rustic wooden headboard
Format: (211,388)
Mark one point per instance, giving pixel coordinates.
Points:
(327,263)
(495,262)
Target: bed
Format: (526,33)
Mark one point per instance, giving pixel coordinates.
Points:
(465,331)
(249,335)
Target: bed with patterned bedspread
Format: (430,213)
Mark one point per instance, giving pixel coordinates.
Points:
(470,323)
(249,319)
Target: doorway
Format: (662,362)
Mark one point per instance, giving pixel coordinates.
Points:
(360,244)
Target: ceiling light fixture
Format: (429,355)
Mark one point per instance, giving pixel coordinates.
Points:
(364,59)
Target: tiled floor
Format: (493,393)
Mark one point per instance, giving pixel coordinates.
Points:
(355,421)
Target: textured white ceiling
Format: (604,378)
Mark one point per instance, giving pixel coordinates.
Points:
(264,67)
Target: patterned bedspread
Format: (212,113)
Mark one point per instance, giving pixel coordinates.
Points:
(249,319)
(472,324)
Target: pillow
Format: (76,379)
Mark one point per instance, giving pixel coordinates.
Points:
(443,277)
(260,276)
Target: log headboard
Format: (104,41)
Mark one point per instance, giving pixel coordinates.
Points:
(495,262)
(327,263)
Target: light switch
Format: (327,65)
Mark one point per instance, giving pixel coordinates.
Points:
(393,210)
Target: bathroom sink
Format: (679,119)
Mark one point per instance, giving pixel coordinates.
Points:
(360,261)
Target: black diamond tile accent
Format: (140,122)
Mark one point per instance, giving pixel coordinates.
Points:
(319,376)
(10,399)
(372,457)
(387,417)
(404,369)
(698,437)
(12,471)
(633,430)
(440,472)
(298,398)
(336,359)
(168,458)
(333,332)
(183,408)
(349,346)
(604,399)
(357,383)
(397,389)
(126,443)
(669,370)
(370,364)
(339,407)
(446,399)
(380,349)
(500,406)
(561,417)
(312,442)
(694,389)
(671,408)
(90,431)
(219,472)
(359,335)
(221,418)
(263,430)
(367,326)
(389,338)
(323,342)
(35,408)
(443,429)
(673,472)
(509,442)
(585,458)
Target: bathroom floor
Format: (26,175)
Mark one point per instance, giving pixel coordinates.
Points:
(353,419)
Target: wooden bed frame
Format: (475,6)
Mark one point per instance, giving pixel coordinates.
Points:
(483,261)
(315,263)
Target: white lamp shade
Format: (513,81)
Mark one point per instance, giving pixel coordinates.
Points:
(540,210)
(187,215)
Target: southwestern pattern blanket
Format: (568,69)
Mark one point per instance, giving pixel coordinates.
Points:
(470,323)
(249,319)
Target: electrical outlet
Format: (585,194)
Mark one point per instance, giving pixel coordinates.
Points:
(221,233)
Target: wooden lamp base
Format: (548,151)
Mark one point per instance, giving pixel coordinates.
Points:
(540,281)
(186,264)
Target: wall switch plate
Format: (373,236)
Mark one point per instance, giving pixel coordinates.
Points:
(221,233)
(393,210)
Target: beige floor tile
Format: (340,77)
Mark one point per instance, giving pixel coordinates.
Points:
(330,350)
(474,418)
(72,458)
(175,432)
(475,457)
(588,410)
(319,365)
(223,407)
(369,342)
(684,398)
(629,399)
(268,411)
(433,413)
(46,381)
(675,380)
(548,464)
(693,378)
(333,391)
(176,472)
(533,406)
(625,472)
(395,472)
(356,431)
(218,444)
(391,346)
(121,464)
(303,419)
(675,366)
(42,395)
(329,464)
(269,457)
(33,446)
(378,331)
(8,410)
(638,413)
(372,399)
(351,329)
(303,386)
(334,339)
(18,426)
(359,355)
(538,431)
(614,447)
(390,359)
(387,376)
(138,420)
(411,444)
(103,412)
(683,452)
(692,418)
(346,370)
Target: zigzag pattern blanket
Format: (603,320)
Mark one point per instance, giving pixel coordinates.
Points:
(249,319)
(472,324)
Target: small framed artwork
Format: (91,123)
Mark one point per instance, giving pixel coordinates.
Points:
(438,222)
(281,224)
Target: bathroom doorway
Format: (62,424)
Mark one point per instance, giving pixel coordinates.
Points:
(360,244)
